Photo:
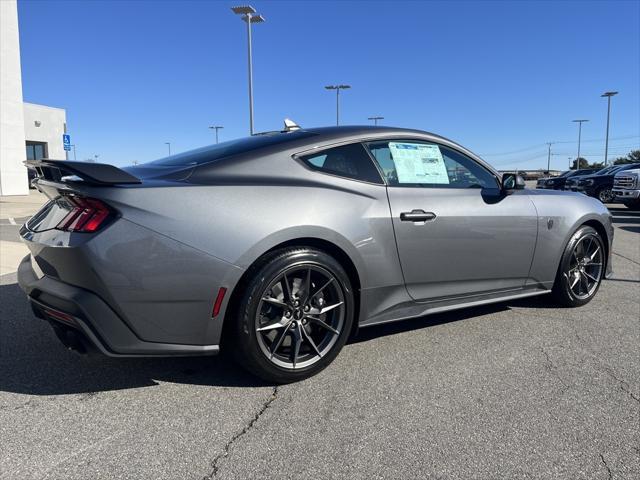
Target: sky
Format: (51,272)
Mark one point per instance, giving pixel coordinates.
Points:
(501,78)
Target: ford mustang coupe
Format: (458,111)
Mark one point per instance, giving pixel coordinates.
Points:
(278,247)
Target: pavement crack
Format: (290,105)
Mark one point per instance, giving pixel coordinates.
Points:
(604,462)
(552,368)
(624,385)
(215,463)
(26,404)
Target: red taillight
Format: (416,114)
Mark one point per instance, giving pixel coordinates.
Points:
(86,215)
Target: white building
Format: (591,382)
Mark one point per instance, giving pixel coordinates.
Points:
(27,130)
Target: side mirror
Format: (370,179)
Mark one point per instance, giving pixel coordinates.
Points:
(511,181)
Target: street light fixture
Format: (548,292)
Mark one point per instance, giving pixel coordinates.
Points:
(606,143)
(375,119)
(168,144)
(337,88)
(579,122)
(216,128)
(249,16)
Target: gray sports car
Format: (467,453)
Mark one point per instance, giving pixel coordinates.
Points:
(278,247)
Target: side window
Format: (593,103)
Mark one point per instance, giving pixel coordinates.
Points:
(419,164)
(350,161)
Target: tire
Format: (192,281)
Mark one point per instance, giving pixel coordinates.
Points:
(604,194)
(286,332)
(578,278)
(632,204)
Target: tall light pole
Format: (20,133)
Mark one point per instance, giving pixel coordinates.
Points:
(249,16)
(216,128)
(579,122)
(375,119)
(337,88)
(74,152)
(606,142)
(168,144)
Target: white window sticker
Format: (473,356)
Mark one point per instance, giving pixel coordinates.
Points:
(418,163)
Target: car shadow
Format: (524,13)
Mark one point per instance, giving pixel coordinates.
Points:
(632,229)
(34,362)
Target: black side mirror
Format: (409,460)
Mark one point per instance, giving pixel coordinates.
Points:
(511,181)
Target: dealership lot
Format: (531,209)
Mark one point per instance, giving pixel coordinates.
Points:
(515,390)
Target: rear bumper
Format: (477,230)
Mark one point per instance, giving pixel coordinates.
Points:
(81,317)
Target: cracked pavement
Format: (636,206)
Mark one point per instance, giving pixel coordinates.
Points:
(515,390)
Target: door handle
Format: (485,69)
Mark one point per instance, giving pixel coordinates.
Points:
(417,216)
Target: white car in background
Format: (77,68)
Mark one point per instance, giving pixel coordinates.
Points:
(626,188)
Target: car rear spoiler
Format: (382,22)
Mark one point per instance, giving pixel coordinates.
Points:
(94,173)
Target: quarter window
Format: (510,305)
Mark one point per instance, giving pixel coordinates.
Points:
(350,161)
(420,164)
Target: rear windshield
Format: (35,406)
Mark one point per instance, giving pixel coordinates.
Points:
(212,153)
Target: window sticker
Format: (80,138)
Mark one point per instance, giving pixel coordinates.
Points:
(418,163)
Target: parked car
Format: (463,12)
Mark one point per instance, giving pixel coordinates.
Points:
(572,183)
(626,188)
(278,247)
(558,183)
(600,185)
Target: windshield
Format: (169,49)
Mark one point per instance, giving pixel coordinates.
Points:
(218,151)
(606,170)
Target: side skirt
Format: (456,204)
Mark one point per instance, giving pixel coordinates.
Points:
(416,310)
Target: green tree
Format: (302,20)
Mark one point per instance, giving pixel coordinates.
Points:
(584,163)
(632,157)
(579,163)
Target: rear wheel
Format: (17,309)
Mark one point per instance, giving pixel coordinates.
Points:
(295,315)
(581,268)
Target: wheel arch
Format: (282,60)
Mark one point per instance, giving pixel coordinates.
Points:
(319,243)
(602,231)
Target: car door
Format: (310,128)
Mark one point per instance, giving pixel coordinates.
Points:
(456,233)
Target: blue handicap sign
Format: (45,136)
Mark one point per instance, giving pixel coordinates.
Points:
(66,141)
(67,147)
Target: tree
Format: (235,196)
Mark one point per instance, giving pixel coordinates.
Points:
(632,157)
(584,163)
(579,163)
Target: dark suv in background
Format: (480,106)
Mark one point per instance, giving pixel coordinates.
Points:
(558,183)
(600,184)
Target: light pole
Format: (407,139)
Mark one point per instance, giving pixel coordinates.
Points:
(337,88)
(579,122)
(249,16)
(375,119)
(168,144)
(216,128)
(74,152)
(606,142)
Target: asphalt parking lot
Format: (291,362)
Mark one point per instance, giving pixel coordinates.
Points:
(515,390)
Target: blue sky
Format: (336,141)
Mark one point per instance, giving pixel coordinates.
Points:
(498,77)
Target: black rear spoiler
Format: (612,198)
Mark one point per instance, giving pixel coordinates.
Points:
(94,173)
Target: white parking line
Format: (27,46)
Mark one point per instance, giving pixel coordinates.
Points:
(12,221)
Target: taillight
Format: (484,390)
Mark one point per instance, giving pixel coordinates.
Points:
(86,215)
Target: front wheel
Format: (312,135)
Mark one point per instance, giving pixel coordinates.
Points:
(605,195)
(581,268)
(295,315)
